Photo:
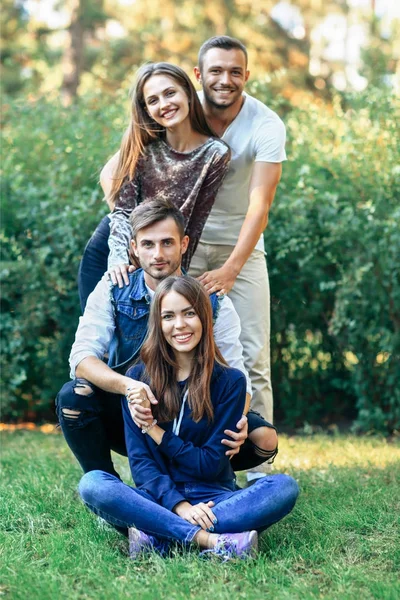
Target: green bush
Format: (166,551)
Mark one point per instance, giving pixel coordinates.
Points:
(333,244)
(51,204)
(332,241)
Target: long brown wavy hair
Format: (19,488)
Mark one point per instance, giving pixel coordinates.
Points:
(159,359)
(142,129)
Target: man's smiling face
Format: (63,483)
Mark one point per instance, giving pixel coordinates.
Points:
(223,74)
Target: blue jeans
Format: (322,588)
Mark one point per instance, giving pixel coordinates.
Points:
(257,507)
(94,261)
(96,429)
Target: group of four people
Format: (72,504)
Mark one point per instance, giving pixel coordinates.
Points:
(190,191)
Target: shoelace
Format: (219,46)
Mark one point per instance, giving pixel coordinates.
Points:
(224,548)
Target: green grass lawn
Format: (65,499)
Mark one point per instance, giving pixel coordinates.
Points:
(341,541)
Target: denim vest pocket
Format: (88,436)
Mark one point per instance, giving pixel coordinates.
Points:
(131,320)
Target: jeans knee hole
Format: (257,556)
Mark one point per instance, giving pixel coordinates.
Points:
(70,414)
(83,390)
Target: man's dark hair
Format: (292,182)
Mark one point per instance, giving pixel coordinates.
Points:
(223,42)
(153,211)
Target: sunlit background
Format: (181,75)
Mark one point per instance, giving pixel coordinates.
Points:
(330,68)
(314,45)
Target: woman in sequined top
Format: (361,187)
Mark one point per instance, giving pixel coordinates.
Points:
(168,151)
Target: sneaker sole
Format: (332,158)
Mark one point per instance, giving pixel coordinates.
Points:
(253,548)
(135,549)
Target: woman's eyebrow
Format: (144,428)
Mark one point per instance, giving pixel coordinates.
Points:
(163,92)
(171,312)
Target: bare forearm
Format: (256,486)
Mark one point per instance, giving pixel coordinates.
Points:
(156,434)
(106,178)
(253,226)
(264,181)
(98,373)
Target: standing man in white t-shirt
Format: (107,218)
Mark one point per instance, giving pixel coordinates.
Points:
(230,256)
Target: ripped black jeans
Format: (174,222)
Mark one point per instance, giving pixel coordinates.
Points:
(92,423)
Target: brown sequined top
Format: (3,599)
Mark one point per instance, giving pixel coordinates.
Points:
(188,179)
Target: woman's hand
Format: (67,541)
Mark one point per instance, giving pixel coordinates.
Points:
(238,438)
(119,274)
(140,398)
(199,514)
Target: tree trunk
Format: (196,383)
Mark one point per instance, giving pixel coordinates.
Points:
(73,55)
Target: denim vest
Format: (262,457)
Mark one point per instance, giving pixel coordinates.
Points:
(131,308)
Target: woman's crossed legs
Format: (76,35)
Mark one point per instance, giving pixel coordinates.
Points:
(257,507)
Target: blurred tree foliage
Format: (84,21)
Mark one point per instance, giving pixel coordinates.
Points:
(13,21)
(333,239)
(333,244)
(97,44)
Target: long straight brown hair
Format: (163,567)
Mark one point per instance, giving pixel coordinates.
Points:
(159,359)
(142,129)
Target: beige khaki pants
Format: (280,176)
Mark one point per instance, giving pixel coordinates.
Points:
(250,297)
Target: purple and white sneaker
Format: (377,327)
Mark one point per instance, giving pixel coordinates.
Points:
(235,545)
(139,542)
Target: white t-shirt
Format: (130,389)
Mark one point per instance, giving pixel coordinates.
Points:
(256,135)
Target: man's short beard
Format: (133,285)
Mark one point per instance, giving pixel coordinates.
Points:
(214,104)
(160,276)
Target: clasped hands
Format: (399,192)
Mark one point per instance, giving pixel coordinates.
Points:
(198,514)
(140,399)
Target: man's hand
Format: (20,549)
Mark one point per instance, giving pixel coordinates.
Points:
(199,514)
(237,438)
(219,280)
(140,398)
(119,274)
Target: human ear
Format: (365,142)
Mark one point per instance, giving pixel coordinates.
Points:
(134,248)
(184,243)
(197,74)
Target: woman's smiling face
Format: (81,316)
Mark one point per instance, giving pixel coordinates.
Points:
(180,323)
(166,101)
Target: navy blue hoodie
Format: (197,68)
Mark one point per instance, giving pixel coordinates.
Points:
(197,454)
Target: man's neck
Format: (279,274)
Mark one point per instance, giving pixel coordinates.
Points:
(220,118)
(152,283)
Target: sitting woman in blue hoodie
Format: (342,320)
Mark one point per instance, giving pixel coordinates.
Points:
(185,486)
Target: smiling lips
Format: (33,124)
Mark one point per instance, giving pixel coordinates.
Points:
(168,114)
(223,90)
(182,338)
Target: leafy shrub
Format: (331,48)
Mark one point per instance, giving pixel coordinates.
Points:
(333,244)
(332,241)
(51,203)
